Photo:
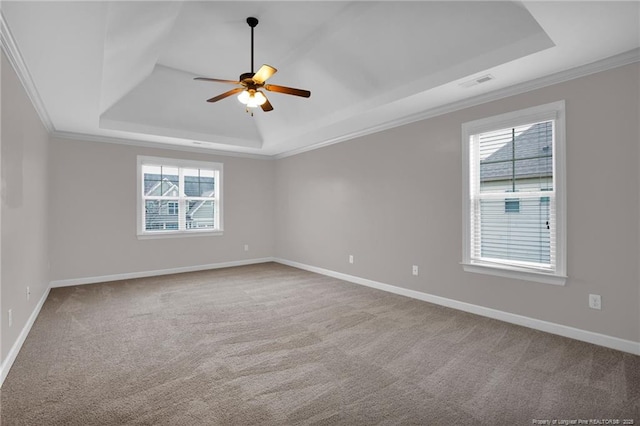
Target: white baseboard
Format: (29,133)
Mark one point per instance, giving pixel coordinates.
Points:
(143,274)
(549,327)
(17,345)
(13,353)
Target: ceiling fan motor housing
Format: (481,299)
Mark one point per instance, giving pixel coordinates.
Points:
(246,76)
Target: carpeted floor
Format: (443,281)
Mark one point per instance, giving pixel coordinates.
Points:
(273,345)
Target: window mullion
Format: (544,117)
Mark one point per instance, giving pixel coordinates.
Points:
(182,214)
(160,197)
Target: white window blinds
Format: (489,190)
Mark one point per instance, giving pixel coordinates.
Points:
(513,197)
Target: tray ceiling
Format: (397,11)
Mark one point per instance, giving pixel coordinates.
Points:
(125,70)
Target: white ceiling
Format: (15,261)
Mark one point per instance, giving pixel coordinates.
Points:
(123,70)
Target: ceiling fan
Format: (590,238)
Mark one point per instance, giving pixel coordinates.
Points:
(250,93)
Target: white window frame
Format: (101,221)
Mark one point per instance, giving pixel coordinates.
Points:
(180,164)
(553,111)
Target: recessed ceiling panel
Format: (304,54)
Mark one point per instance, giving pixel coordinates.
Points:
(170,103)
(125,69)
(135,35)
(392,51)
(213,38)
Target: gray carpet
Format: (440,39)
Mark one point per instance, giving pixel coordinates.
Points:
(273,345)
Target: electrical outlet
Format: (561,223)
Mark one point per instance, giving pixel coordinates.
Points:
(350,258)
(28,293)
(415,270)
(595,302)
(10,318)
(246,247)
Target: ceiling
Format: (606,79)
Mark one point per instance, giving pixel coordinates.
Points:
(123,71)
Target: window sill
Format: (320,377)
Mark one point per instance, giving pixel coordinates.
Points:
(178,234)
(516,273)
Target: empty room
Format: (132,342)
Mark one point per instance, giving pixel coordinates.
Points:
(314,213)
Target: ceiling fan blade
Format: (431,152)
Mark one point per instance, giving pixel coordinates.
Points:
(217,80)
(264,73)
(226,94)
(266,107)
(287,90)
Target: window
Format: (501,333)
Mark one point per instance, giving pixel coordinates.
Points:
(178,197)
(514,195)
(172,208)
(512,205)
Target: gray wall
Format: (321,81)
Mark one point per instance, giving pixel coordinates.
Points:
(393,199)
(93,213)
(25,207)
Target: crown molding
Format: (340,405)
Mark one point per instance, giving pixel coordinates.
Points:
(10,48)
(155,145)
(626,58)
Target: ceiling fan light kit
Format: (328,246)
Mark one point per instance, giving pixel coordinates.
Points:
(252,98)
(250,93)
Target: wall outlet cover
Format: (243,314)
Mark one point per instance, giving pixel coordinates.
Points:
(595,302)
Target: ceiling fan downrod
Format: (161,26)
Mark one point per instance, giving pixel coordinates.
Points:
(253,22)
